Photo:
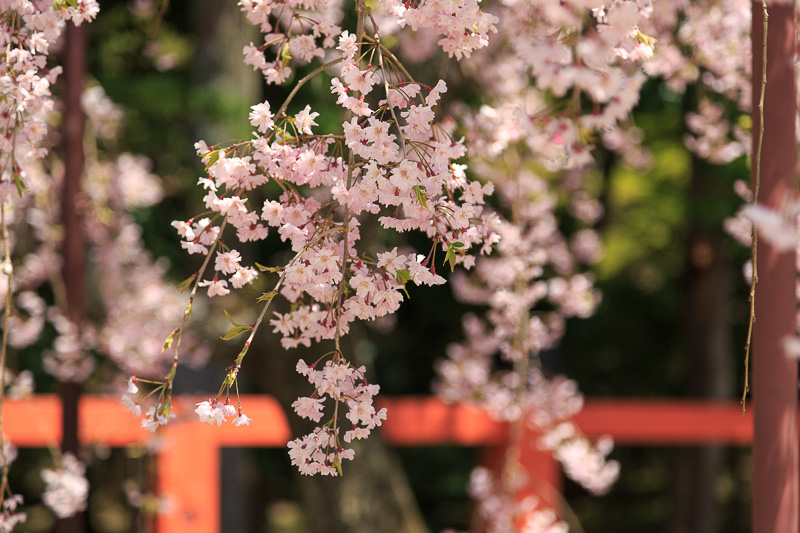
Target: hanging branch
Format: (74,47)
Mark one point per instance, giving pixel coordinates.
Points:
(754,249)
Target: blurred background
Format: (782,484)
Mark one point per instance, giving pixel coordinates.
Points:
(670,324)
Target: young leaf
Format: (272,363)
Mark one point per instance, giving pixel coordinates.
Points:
(168,342)
(213,157)
(235,332)
(421,198)
(185,284)
(229,318)
(450,257)
(21,188)
(286,57)
(263,268)
(402,277)
(267,296)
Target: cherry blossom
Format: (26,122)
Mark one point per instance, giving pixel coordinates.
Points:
(66,487)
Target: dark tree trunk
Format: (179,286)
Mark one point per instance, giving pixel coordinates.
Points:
(74,245)
(707,348)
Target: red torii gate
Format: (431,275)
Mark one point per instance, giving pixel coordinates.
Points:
(192,447)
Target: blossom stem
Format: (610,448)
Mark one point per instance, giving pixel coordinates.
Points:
(188,309)
(303,81)
(388,100)
(260,319)
(396,61)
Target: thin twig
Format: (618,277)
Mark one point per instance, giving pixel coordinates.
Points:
(188,309)
(240,357)
(360,36)
(305,80)
(388,99)
(159,19)
(754,249)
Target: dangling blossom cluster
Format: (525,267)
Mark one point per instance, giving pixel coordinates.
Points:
(291,32)
(155,415)
(708,44)
(322,452)
(464,26)
(566,75)
(218,412)
(28,30)
(9,515)
(138,303)
(504,507)
(392,161)
(66,487)
(552,404)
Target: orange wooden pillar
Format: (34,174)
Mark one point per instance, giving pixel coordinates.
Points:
(189,477)
(776,457)
(544,473)
(189,463)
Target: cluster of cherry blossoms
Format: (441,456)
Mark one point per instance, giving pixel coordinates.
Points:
(321,451)
(10,516)
(570,72)
(707,44)
(218,412)
(502,509)
(138,302)
(28,30)
(392,161)
(66,487)
(292,32)
(462,24)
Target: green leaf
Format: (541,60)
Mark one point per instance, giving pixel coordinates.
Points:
(213,157)
(168,342)
(286,57)
(267,296)
(421,198)
(21,188)
(338,465)
(347,287)
(450,257)
(229,318)
(402,277)
(263,268)
(185,284)
(235,332)
(453,248)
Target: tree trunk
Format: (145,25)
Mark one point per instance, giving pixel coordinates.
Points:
(707,347)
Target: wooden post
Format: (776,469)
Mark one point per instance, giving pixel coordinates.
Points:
(776,494)
(74,245)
